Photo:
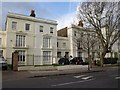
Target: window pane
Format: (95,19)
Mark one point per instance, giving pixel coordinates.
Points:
(23,40)
(14,25)
(74,33)
(57,44)
(46,42)
(16,40)
(27,27)
(21,56)
(41,28)
(46,57)
(51,29)
(20,40)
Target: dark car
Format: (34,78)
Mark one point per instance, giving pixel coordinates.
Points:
(76,60)
(64,61)
(3,64)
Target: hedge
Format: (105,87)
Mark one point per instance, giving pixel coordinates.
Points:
(110,60)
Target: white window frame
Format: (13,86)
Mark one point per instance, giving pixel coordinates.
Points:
(21,56)
(46,57)
(27,28)
(20,40)
(75,33)
(41,28)
(51,29)
(14,25)
(46,42)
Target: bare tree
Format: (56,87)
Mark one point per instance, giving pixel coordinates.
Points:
(104,18)
(86,42)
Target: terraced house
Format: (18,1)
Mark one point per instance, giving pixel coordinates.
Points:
(69,36)
(34,38)
(69,45)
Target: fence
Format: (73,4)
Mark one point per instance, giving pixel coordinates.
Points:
(39,60)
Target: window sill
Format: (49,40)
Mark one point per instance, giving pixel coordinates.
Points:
(21,47)
(47,48)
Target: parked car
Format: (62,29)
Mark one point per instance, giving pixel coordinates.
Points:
(76,60)
(3,63)
(64,61)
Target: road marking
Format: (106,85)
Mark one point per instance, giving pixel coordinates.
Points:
(87,77)
(71,82)
(117,77)
(79,76)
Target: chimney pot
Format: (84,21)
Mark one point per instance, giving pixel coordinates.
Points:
(80,23)
(32,13)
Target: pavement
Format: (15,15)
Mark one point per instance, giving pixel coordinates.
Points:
(13,75)
(108,78)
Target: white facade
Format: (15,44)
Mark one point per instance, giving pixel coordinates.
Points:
(63,47)
(2,42)
(23,34)
(73,51)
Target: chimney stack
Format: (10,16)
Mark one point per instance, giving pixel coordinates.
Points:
(80,23)
(32,13)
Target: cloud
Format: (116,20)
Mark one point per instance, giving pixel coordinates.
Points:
(43,12)
(67,20)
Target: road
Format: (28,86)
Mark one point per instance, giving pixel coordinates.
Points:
(105,79)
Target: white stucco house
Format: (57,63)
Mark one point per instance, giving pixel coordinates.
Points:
(66,37)
(34,38)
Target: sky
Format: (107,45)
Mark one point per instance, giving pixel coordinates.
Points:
(62,12)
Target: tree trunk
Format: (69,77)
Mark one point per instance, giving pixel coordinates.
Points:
(89,62)
(102,58)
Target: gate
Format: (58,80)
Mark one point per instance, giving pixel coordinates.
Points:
(15,61)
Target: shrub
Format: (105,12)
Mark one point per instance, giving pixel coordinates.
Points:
(110,60)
